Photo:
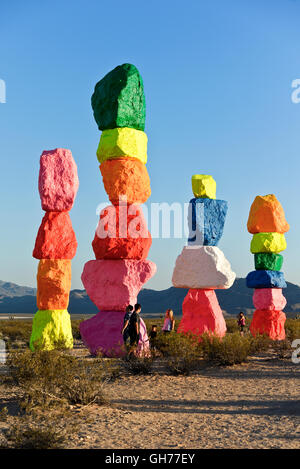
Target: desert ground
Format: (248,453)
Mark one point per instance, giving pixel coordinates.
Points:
(251,405)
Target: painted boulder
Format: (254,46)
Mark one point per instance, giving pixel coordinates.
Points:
(56,238)
(58,180)
(51,329)
(268,242)
(268,322)
(119,100)
(126,179)
(202,267)
(269,298)
(122,142)
(267,215)
(268,261)
(265,279)
(201,313)
(114,284)
(122,233)
(206,221)
(53,284)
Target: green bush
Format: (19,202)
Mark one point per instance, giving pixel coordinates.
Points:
(138,365)
(231,349)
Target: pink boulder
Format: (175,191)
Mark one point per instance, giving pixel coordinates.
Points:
(114,284)
(201,313)
(102,333)
(269,298)
(268,322)
(58,180)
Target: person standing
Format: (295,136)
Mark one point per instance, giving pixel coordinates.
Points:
(125,329)
(134,326)
(241,322)
(169,322)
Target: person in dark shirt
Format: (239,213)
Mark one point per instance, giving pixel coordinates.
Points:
(134,325)
(153,335)
(125,329)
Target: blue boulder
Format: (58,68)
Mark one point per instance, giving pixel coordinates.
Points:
(265,279)
(206,221)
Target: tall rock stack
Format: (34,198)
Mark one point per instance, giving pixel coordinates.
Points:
(122,240)
(267,223)
(55,246)
(202,266)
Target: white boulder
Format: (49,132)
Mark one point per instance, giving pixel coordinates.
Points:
(203,267)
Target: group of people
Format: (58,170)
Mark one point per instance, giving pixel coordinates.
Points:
(132,322)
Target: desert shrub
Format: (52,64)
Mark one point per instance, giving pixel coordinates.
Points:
(292,329)
(138,365)
(13,330)
(38,433)
(180,350)
(55,379)
(229,350)
(3,414)
(231,324)
(259,343)
(75,328)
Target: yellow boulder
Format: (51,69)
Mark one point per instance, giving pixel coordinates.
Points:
(204,186)
(268,242)
(122,142)
(51,329)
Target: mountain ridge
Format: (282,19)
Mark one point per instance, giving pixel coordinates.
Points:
(15,299)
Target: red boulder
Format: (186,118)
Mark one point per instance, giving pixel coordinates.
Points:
(122,233)
(201,313)
(268,322)
(56,238)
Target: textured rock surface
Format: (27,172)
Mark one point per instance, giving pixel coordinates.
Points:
(267,215)
(270,323)
(268,261)
(58,180)
(204,185)
(53,284)
(202,267)
(56,238)
(114,284)
(265,279)
(269,298)
(126,178)
(122,233)
(268,242)
(102,333)
(201,313)
(122,142)
(206,221)
(118,99)
(51,329)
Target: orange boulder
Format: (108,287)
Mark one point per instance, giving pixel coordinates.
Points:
(53,284)
(267,215)
(126,179)
(268,322)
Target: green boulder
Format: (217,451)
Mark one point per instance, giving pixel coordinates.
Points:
(119,100)
(268,261)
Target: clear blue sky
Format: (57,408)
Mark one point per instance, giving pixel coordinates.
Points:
(217,77)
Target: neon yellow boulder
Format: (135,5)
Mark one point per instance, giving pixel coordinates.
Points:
(204,186)
(122,142)
(51,329)
(268,242)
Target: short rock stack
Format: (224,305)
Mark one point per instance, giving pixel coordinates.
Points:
(55,246)
(122,240)
(267,223)
(202,266)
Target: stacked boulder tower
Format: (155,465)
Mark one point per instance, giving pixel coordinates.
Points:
(202,266)
(122,240)
(267,223)
(55,246)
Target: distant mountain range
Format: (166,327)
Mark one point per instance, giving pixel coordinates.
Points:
(15,299)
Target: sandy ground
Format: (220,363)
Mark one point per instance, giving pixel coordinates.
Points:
(255,405)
